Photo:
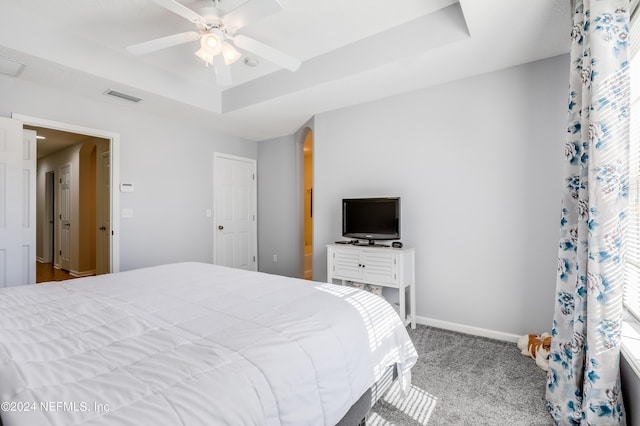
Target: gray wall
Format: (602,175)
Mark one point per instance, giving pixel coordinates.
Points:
(281,203)
(477,163)
(278,214)
(169,161)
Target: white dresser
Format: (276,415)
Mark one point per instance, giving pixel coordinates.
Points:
(377,266)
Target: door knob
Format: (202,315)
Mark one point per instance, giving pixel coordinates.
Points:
(220,227)
(103,228)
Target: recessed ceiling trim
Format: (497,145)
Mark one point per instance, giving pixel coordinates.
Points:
(10,67)
(124,96)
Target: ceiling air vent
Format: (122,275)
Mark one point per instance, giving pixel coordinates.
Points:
(124,96)
(10,67)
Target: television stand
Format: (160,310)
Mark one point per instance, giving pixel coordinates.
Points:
(366,264)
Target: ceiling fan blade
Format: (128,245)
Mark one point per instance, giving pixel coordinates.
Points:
(267,52)
(179,9)
(163,42)
(250,11)
(223,72)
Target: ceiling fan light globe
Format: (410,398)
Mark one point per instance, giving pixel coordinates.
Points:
(230,53)
(210,43)
(202,54)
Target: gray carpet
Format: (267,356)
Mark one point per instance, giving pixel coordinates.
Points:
(461,379)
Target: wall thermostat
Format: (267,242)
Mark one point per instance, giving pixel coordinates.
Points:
(126,187)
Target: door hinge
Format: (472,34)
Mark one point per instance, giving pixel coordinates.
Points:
(254,217)
(253,176)
(60,252)
(254,258)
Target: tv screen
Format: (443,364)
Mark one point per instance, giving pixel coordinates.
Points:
(371,218)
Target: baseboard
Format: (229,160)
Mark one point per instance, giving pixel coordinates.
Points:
(467,329)
(82,274)
(40,259)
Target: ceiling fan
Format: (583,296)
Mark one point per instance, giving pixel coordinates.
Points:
(217,35)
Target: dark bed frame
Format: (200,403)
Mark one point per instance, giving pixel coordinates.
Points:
(357,414)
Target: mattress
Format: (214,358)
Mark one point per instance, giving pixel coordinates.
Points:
(193,344)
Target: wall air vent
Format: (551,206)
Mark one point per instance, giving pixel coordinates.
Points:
(10,67)
(121,95)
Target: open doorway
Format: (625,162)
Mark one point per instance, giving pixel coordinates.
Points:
(72,205)
(308,206)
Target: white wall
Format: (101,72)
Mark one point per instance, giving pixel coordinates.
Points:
(477,163)
(170,163)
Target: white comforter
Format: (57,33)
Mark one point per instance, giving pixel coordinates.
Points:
(192,344)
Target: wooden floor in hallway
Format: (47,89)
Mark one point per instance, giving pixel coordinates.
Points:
(46,272)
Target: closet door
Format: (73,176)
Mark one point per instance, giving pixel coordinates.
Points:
(235,233)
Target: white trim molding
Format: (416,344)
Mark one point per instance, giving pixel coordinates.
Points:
(114,148)
(467,329)
(630,347)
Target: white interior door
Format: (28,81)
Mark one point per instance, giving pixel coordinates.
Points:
(17,204)
(48,226)
(65,217)
(235,222)
(103,216)
(29,166)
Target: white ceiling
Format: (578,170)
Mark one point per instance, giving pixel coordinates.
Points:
(352,51)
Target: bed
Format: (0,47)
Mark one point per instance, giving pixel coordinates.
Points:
(195,344)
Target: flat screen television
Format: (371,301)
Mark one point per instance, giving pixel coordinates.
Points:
(371,218)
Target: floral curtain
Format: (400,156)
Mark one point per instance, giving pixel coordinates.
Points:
(583,383)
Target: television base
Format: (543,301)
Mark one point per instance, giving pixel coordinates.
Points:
(367,243)
(361,244)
